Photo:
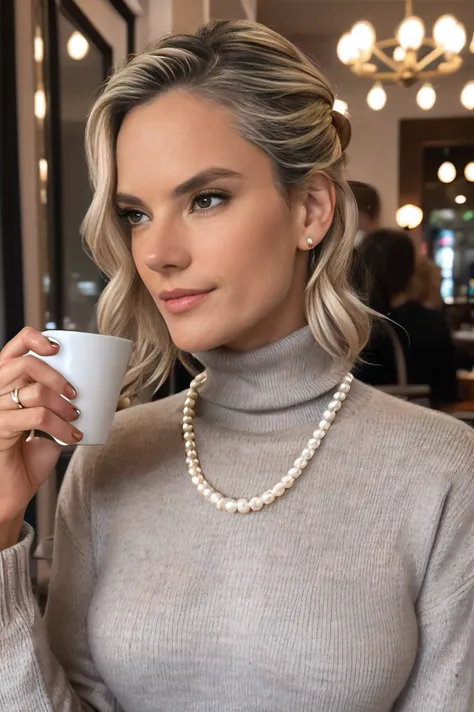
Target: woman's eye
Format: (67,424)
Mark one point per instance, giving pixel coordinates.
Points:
(207,201)
(133,217)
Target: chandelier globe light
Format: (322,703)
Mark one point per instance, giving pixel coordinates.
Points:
(410,57)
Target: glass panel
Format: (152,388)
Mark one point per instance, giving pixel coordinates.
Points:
(448,202)
(81,72)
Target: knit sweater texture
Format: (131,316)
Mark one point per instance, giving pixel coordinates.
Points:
(353,592)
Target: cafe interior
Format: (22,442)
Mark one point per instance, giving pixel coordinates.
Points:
(403,72)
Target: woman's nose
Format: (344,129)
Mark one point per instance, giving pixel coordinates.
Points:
(167,249)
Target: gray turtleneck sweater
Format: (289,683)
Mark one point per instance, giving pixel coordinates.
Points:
(352,593)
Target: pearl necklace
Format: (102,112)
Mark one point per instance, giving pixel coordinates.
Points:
(243,506)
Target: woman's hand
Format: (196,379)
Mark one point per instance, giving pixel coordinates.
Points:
(26,462)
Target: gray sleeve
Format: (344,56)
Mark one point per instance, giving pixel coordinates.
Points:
(442,679)
(46,665)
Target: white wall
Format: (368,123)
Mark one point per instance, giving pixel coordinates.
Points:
(374,148)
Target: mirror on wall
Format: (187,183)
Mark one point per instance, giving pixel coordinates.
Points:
(448,206)
(84,62)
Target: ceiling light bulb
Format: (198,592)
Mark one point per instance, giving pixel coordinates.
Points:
(467,96)
(409,216)
(377,98)
(38,49)
(411,33)
(43,169)
(347,49)
(460,199)
(447,172)
(399,54)
(40,104)
(443,28)
(363,34)
(457,39)
(469,172)
(341,107)
(426,97)
(77,46)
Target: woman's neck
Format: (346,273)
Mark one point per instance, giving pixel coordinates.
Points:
(278,386)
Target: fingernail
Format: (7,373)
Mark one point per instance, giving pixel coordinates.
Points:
(69,391)
(54,344)
(77,435)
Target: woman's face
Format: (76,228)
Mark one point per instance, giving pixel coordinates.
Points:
(221,252)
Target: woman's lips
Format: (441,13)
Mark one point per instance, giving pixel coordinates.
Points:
(179,305)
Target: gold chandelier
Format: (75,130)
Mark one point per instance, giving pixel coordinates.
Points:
(408,58)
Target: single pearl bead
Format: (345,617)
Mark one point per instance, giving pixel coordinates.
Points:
(268,497)
(329,415)
(220,504)
(349,378)
(334,405)
(307,453)
(195,471)
(243,506)
(256,504)
(189,411)
(189,437)
(300,463)
(202,486)
(287,481)
(197,479)
(192,454)
(324,425)
(341,397)
(344,388)
(215,497)
(190,402)
(206,493)
(187,419)
(190,445)
(314,444)
(295,472)
(278,489)
(231,506)
(187,427)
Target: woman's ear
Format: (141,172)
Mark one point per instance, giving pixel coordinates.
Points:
(319,206)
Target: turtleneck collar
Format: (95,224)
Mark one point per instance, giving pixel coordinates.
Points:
(282,385)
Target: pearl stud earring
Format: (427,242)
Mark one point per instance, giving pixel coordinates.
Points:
(310,242)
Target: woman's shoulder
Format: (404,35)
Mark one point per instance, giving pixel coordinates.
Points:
(403,427)
(138,432)
(142,418)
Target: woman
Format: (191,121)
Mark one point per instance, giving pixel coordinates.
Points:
(223,219)
(390,259)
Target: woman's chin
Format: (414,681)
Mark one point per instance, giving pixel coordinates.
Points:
(196,341)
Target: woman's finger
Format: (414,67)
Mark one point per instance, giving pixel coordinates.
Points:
(37,395)
(38,371)
(14,423)
(21,382)
(28,339)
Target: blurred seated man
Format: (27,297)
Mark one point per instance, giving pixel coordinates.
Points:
(390,260)
(368,204)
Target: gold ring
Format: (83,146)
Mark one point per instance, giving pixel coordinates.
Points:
(14,395)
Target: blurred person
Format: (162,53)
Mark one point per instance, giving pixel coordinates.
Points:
(202,560)
(389,256)
(425,284)
(368,205)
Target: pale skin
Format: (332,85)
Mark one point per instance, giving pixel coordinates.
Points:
(205,213)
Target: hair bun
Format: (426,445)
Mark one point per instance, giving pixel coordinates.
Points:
(343,128)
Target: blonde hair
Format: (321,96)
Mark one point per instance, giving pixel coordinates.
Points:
(282,103)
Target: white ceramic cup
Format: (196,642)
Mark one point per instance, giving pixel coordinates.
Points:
(95,365)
